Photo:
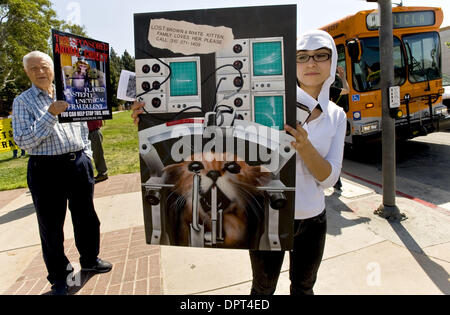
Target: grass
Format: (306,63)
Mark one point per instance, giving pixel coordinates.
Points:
(13,172)
(120,143)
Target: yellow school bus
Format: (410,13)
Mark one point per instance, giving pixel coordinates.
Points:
(417,70)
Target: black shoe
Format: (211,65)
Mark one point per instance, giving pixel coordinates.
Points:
(100,178)
(338,185)
(60,289)
(100,266)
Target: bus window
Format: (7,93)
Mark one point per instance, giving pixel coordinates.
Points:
(341,99)
(366,73)
(340,63)
(424,55)
(341,57)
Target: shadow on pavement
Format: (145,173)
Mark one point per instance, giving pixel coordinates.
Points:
(435,272)
(335,226)
(17,214)
(79,280)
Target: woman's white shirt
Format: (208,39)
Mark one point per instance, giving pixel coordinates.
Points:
(326,133)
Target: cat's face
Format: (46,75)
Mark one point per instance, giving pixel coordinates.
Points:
(235,180)
(236,184)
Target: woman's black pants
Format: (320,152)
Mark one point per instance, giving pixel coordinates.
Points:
(305,259)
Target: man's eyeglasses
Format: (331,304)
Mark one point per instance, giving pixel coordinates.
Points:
(321,57)
(38,69)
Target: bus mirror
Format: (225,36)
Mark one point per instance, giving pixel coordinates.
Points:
(354,50)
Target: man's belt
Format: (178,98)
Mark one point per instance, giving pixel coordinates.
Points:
(71,156)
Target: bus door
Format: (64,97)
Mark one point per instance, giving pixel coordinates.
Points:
(424,68)
(343,99)
(366,100)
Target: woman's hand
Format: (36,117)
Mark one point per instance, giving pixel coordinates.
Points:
(137,109)
(316,164)
(300,135)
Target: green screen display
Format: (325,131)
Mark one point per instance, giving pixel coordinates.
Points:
(267,59)
(269,111)
(183,81)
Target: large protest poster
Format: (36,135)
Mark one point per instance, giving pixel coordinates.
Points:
(82,77)
(217,167)
(6,136)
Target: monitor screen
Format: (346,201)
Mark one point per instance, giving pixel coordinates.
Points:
(269,111)
(183,81)
(267,58)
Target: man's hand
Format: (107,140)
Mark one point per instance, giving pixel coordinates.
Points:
(58,107)
(137,109)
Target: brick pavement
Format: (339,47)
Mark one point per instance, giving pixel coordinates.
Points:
(136,268)
(136,265)
(7,196)
(118,184)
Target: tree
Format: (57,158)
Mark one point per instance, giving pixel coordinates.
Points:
(74,29)
(128,61)
(115,67)
(24,26)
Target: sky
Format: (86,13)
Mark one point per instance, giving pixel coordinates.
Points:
(111,21)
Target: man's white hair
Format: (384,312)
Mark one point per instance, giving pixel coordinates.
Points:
(36,54)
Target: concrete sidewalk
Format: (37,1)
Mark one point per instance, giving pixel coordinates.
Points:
(364,253)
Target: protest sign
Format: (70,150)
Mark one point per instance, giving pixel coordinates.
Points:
(6,136)
(82,77)
(217,167)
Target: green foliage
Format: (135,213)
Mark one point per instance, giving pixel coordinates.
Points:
(74,29)
(24,26)
(117,64)
(128,61)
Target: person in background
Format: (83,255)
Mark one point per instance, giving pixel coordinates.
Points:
(340,85)
(15,152)
(59,173)
(96,138)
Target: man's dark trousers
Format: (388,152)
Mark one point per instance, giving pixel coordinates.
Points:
(54,182)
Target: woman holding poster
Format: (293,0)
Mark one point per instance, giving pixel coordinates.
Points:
(319,143)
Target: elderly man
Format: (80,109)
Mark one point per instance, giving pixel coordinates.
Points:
(59,172)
